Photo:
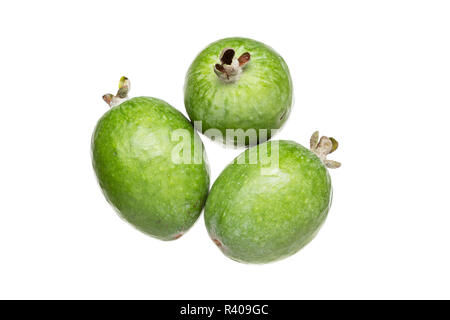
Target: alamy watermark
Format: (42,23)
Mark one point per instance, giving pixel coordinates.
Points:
(190,151)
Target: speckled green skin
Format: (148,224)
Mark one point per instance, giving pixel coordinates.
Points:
(260,99)
(262,218)
(131,155)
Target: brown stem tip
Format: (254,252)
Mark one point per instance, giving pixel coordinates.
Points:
(122,93)
(230,68)
(227,55)
(324,147)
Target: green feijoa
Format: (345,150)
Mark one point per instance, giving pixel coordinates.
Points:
(238,84)
(272,200)
(135,147)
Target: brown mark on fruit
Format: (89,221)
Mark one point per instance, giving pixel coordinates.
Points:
(218,243)
(196,204)
(178,235)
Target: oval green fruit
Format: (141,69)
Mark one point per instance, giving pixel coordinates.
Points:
(132,155)
(238,83)
(268,208)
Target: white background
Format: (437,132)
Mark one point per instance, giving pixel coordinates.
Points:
(373,74)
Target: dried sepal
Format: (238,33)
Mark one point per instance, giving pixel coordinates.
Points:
(124,87)
(332,164)
(229,69)
(221,72)
(244,59)
(124,83)
(219,67)
(108,98)
(314,141)
(122,93)
(227,55)
(323,147)
(335,144)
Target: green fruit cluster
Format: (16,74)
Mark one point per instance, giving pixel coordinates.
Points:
(151,165)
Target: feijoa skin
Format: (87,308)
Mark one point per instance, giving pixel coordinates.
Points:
(238,83)
(259,213)
(132,158)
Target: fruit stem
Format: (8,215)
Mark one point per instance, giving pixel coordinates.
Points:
(324,147)
(229,70)
(122,93)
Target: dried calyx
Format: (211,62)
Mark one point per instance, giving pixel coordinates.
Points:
(230,68)
(122,93)
(324,147)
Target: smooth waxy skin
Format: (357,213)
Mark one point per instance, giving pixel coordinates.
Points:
(259,218)
(260,99)
(132,156)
